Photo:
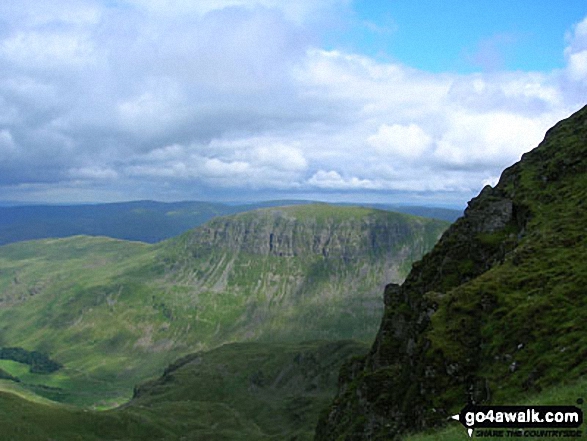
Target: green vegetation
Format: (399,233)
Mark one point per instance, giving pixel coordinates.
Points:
(39,363)
(114,313)
(496,309)
(249,391)
(564,394)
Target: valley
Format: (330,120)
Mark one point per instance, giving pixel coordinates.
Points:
(115,313)
(240,391)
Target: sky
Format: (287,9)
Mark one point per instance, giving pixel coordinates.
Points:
(397,101)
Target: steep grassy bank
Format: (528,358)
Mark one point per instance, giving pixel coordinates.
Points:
(495,310)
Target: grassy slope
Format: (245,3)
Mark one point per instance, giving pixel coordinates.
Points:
(114,312)
(536,311)
(60,297)
(253,391)
(564,394)
(509,304)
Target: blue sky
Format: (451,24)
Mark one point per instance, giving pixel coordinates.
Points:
(230,100)
(463,36)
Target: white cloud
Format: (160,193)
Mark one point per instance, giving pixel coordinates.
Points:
(215,168)
(251,163)
(72,13)
(93,173)
(7,146)
(298,11)
(576,52)
(160,108)
(528,94)
(332,180)
(578,65)
(492,181)
(355,80)
(281,157)
(42,50)
(219,97)
(397,140)
(489,139)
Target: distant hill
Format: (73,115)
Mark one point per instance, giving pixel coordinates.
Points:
(145,221)
(115,312)
(496,311)
(445,214)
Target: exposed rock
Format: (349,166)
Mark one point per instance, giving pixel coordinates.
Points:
(476,295)
(278,232)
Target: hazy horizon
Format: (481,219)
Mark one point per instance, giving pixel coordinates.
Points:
(9,204)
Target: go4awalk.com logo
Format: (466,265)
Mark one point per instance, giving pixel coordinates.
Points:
(521,421)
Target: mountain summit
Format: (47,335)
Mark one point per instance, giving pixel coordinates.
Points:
(495,309)
(114,313)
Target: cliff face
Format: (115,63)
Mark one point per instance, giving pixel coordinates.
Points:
(496,308)
(315,230)
(313,271)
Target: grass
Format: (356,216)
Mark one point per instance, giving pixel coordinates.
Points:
(564,394)
(115,313)
(495,311)
(252,391)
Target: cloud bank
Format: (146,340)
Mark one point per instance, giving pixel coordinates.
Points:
(103,100)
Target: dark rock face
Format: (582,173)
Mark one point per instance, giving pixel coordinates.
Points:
(489,212)
(445,331)
(277,232)
(306,271)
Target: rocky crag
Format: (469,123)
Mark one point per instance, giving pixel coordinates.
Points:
(313,271)
(495,309)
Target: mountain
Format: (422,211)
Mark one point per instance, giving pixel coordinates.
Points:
(144,221)
(113,313)
(497,308)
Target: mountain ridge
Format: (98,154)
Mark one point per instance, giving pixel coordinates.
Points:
(492,311)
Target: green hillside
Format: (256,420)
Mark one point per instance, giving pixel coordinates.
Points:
(562,394)
(249,391)
(494,311)
(114,313)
